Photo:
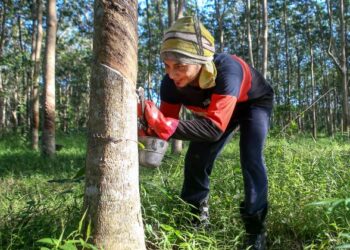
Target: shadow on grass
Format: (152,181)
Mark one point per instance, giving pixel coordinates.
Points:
(20,164)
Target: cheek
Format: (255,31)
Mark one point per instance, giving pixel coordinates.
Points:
(191,74)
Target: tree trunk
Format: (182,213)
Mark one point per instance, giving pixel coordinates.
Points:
(48,143)
(35,88)
(112,196)
(286,47)
(314,121)
(149,57)
(265,38)
(159,9)
(344,69)
(66,101)
(3,23)
(220,18)
(171,12)
(2,105)
(180,9)
(14,104)
(300,106)
(342,63)
(249,34)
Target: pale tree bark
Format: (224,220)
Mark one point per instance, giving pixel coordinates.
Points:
(171,12)
(180,9)
(48,138)
(2,104)
(220,11)
(112,196)
(265,38)
(341,62)
(35,86)
(30,71)
(299,59)
(14,103)
(67,94)
(286,48)
(2,90)
(249,34)
(3,23)
(150,52)
(314,121)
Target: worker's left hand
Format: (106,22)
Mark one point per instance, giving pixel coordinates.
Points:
(163,126)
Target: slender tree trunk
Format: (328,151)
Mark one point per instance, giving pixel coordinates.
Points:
(3,30)
(171,12)
(300,106)
(159,9)
(286,44)
(220,18)
(66,101)
(344,70)
(14,104)
(35,89)
(249,35)
(48,143)
(2,90)
(180,9)
(258,45)
(19,23)
(150,52)
(265,38)
(314,120)
(342,62)
(112,196)
(2,105)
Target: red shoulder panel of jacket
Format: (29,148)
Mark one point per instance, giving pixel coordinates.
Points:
(220,110)
(246,81)
(170,110)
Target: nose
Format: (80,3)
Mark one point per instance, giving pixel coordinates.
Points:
(172,74)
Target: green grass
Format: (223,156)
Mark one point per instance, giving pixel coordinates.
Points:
(309,196)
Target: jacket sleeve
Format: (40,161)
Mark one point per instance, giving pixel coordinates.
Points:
(212,125)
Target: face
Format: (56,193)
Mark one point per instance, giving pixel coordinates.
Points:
(182,74)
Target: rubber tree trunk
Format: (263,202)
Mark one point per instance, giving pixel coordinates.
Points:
(265,38)
(112,198)
(48,143)
(35,90)
(249,34)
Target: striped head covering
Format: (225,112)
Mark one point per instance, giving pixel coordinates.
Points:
(188,41)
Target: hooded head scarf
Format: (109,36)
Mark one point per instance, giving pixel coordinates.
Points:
(188,41)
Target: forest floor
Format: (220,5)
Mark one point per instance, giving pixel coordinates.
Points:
(309,197)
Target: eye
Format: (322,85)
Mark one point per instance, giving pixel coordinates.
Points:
(181,67)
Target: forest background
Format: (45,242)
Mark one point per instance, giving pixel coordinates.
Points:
(307,65)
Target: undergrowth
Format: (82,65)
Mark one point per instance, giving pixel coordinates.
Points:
(308,200)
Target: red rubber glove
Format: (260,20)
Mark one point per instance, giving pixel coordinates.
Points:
(143,128)
(163,126)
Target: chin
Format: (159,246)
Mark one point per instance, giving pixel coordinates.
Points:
(180,84)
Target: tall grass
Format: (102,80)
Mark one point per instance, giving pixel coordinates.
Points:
(308,181)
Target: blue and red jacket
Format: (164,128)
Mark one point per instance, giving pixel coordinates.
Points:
(236,83)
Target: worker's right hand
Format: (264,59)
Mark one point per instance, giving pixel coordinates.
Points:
(163,126)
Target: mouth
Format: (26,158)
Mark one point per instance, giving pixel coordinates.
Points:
(178,83)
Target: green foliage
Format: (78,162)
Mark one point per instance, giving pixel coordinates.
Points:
(309,201)
(74,241)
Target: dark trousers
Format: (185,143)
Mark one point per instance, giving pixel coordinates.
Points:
(254,122)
